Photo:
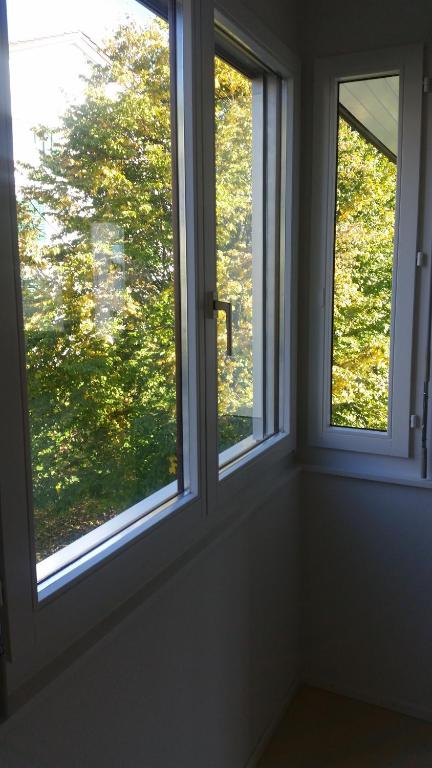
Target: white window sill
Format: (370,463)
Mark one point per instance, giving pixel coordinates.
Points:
(378,478)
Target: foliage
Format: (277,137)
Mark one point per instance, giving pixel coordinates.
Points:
(365,217)
(96,248)
(233,153)
(98,299)
(97,266)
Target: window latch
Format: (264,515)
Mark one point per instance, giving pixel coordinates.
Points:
(420,259)
(224,306)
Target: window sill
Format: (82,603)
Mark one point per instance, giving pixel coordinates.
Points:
(409,482)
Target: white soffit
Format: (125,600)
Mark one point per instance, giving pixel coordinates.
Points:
(375,104)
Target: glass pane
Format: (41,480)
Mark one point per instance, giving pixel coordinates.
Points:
(367,147)
(90,89)
(239,262)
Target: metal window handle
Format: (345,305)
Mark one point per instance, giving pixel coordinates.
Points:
(225,306)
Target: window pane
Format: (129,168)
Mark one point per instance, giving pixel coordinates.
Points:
(239,260)
(91,119)
(366,192)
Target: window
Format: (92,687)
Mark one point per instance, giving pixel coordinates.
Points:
(364,244)
(366,177)
(109,457)
(248,199)
(93,132)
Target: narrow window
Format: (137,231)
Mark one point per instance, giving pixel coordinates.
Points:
(364,247)
(247,114)
(92,132)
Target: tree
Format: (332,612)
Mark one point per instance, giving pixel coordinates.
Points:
(365,218)
(96,248)
(233,121)
(97,265)
(99,297)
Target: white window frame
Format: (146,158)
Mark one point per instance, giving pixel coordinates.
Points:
(85,581)
(226,483)
(89,595)
(407,62)
(74,559)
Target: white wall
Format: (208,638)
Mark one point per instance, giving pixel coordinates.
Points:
(367,590)
(366,557)
(281,17)
(344,26)
(194,677)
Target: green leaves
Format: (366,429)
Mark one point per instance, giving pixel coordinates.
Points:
(233,112)
(99,314)
(366,201)
(97,263)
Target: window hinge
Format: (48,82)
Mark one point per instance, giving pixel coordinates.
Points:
(414,421)
(427,84)
(420,259)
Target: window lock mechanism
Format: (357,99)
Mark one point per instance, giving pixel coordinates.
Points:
(224,306)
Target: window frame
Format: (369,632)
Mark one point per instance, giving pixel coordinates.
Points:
(68,563)
(407,62)
(266,90)
(240,43)
(37,626)
(42,636)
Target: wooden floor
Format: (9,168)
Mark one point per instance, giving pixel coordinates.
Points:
(323,729)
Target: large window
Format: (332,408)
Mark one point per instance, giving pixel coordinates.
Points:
(146,214)
(248,187)
(93,139)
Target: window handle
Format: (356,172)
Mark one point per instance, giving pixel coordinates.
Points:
(225,306)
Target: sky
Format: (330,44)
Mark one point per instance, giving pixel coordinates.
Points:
(28,19)
(46,78)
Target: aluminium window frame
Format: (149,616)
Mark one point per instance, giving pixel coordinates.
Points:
(266,114)
(70,561)
(407,62)
(241,44)
(38,628)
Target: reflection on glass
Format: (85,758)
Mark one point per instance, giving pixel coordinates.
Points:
(92,148)
(238,277)
(367,147)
